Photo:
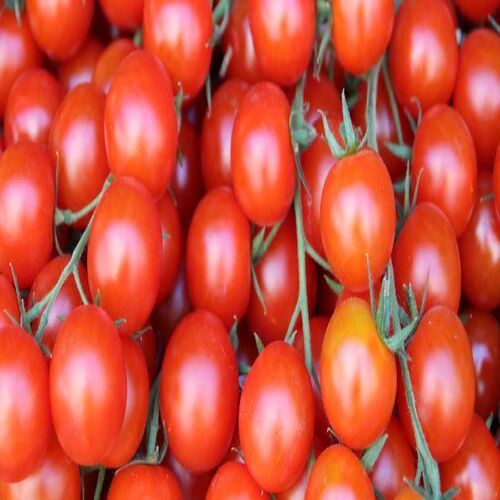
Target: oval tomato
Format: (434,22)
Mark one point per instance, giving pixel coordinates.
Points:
(125,14)
(496,181)
(477,11)
(8,303)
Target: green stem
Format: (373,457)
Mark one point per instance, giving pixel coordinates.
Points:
(317,258)
(81,291)
(371,107)
(100,483)
(263,247)
(392,102)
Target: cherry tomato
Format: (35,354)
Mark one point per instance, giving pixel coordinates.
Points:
(423,54)
(322,94)
(8,303)
(442,376)
(477,11)
(148,343)
(496,181)
(124,14)
(124,253)
(27,208)
(407,493)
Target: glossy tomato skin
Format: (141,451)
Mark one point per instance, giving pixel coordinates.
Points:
(338,473)
(479,75)
(8,302)
(276,417)
(423,54)
(361,32)
(124,253)
(179,31)
(440,363)
(126,15)
(262,163)
(496,181)
(478,11)
(426,251)
(140,122)
(407,493)
(199,391)
(27,207)
(148,342)
(77,147)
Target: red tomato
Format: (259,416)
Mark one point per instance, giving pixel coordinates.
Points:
(8,302)
(179,31)
(322,94)
(361,32)
(407,493)
(27,208)
(276,418)
(148,343)
(423,54)
(124,253)
(262,161)
(496,181)
(140,122)
(199,391)
(477,11)
(479,75)
(87,356)
(326,299)
(442,376)
(124,14)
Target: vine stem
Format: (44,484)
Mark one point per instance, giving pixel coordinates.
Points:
(100,483)
(371,106)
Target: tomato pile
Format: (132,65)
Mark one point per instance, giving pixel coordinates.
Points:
(249,249)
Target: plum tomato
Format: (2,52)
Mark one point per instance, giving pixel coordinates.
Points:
(9,307)
(125,14)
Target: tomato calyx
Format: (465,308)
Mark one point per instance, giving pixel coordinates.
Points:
(370,456)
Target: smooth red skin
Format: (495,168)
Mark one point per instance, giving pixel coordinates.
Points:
(124,14)
(357,374)
(67,299)
(217,131)
(426,251)
(149,345)
(31,106)
(479,75)
(8,302)
(338,473)
(238,38)
(25,414)
(87,355)
(262,162)
(154,482)
(61,26)
(443,150)
(479,256)
(484,337)
(218,256)
(179,31)
(77,137)
(423,54)
(396,462)
(27,208)
(475,469)
(109,60)
(358,217)
(496,181)
(477,11)
(440,364)
(322,94)
(124,253)
(278,276)
(140,122)
(407,493)
(361,32)
(199,391)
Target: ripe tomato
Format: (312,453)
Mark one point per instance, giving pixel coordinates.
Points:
(199,391)
(276,418)
(477,11)
(361,32)
(124,253)
(496,181)
(426,252)
(442,376)
(88,355)
(148,342)
(358,218)
(8,303)
(77,147)
(321,94)
(407,493)
(179,31)
(140,122)
(479,75)
(338,473)
(124,14)
(262,161)
(423,54)
(27,208)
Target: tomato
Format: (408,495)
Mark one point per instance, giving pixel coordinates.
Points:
(31,106)
(276,418)
(148,342)
(442,376)
(496,181)
(479,75)
(199,391)
(77,147)
(27,208)
(125,252)
(361,32)
(88,355)
(358,218)
(154,482)
(338,473)
(278,277)
(61,26)
(321,94)
(477,11)
(407,493)
(484,337)
(216,133)
(426,252)
(423,54)
(179,31)
(479,255)
(126,15)
(326,299)
(8,303)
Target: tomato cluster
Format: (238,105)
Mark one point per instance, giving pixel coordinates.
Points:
(249,249)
